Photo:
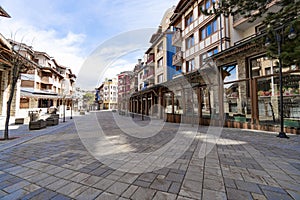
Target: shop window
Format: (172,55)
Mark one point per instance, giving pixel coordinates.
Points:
(262,66)
(168,102)
(237,104)
(205,103)
(178,102)
(269,99)
(229,73)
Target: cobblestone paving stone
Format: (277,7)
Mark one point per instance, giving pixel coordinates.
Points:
(242,165)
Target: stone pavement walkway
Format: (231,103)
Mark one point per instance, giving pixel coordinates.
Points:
(23,134)
(241,165)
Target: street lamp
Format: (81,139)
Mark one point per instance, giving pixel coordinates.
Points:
(71,107)
(279,36)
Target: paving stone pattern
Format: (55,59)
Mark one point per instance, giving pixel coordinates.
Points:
(242,165)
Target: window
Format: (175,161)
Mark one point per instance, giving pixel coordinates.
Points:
(208,30)
(160,63)
(207,4)
(214,26)
(207,54)
(268,70)
(141,75)
(160,47)
(190,42)
(229,73)
(160,78)
(189,19)
(190,65)
(203,34)
(212,52)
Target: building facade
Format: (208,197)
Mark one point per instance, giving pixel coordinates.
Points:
(226,77)
(124,82)
(108,94)
(43,85)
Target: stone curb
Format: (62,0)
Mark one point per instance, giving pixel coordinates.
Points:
(36,133)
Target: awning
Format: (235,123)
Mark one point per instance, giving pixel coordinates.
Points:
(38,96)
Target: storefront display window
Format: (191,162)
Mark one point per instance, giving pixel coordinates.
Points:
(265,73)
(178,102)
(168,102)
(206,102)
(191,102)
(237,104)
(268,98)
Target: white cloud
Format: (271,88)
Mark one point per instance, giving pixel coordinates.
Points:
(106,57)
(65,49)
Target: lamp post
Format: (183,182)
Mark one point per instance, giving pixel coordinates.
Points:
(279,38)
(71,107)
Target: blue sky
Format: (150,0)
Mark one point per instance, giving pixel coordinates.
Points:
(70,30)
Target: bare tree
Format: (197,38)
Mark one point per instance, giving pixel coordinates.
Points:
(19,64)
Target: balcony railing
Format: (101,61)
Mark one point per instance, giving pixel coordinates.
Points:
(177,59)
(177,39)
(150,59)
(148,74)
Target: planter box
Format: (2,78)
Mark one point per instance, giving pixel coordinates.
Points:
(56,116)
(239,119)
(292,123)
(19,121)
(51,121)
(36,125)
